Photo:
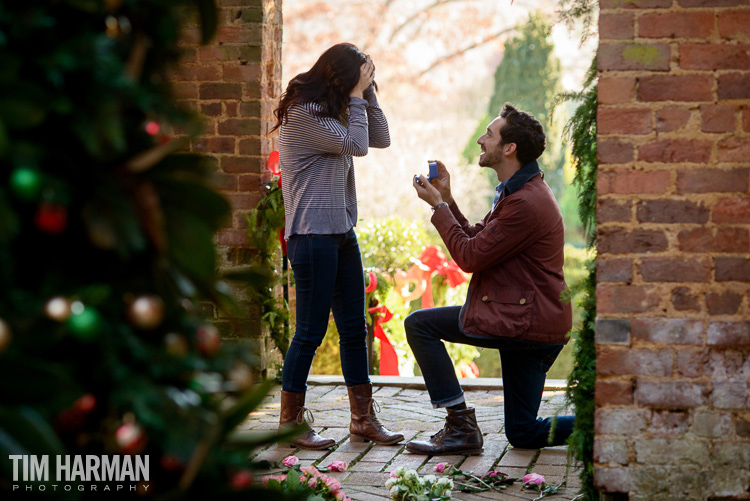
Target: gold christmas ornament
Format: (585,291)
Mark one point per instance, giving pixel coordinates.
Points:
(58,309)
(5,335)
(176,344)
(146,312)
(241,375)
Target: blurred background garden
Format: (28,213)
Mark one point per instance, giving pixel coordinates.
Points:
(444,69)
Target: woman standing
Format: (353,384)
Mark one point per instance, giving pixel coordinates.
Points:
(327,116)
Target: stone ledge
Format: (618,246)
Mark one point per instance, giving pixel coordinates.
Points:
(417,383)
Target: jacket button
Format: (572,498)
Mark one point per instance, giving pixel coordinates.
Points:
(484,298)
(523,300)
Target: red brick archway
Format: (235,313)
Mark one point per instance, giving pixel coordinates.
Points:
(673,337)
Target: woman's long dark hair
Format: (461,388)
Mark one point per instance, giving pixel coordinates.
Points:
(328,83)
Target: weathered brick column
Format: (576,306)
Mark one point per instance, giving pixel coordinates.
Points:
(673,336)
(234,83)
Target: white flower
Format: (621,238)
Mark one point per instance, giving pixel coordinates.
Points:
(445,481)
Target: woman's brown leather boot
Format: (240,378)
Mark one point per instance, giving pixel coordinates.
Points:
(365,426)
(293,412)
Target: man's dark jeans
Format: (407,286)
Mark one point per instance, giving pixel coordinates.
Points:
(328,275)
(524,365)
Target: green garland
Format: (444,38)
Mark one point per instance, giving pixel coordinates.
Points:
(264,224)
(581,130)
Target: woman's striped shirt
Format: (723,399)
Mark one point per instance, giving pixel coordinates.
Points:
(317,172)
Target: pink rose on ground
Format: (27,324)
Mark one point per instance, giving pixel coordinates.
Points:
(279,478)
(340,496)
(310,470)
(440,467)
(333,484)
(533,479)
(290,461)
(495,473)
(337,466)
(393,474)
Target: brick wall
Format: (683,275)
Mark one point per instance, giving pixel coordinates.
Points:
(673,331)
(235,83)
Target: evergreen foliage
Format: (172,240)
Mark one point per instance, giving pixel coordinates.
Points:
(265,223)
(581,130)
(106,245)
(580,13)
(529,77)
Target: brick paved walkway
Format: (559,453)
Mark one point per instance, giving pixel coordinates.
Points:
(409,412)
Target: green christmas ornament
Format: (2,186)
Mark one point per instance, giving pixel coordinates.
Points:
(84,323)
(26,183)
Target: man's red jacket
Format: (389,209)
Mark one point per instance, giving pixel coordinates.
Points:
(516,256)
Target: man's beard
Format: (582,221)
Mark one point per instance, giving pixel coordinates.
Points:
(490,158)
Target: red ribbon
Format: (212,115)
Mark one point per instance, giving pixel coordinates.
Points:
(453,274)
(431,260)
(373,283)
(388,356)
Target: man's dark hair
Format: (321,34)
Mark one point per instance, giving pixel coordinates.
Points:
(525,130)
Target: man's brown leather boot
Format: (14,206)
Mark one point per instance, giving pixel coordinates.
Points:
(365,426)
(460,435)
(293,412)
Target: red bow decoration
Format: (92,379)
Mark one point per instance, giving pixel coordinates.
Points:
(453,274)
(467,370)
(272,164)
(430,261)
(373,283)
(388,356)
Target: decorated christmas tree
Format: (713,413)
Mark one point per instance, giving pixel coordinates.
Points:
(106,248)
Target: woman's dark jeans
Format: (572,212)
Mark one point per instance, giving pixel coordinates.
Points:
(524,365)
(328,275)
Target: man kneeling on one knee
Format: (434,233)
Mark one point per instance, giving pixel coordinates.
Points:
(516,256)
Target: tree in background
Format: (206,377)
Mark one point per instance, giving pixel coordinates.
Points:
(529,77)
(106,248)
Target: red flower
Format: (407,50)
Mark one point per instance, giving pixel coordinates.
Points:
(272,164)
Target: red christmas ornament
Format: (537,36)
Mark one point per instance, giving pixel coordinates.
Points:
(130,438)
(51,218)
(242,480)
(208,339)
(85,404)
(74,417)
(171,463)
(152,128)
(5,335)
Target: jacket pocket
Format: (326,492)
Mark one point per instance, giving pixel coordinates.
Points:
(505,312)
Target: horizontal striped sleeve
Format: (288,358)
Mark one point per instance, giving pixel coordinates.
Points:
(318,134)
(378,125)
(317,169)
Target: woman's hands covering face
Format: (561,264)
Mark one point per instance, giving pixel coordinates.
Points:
(366,77)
